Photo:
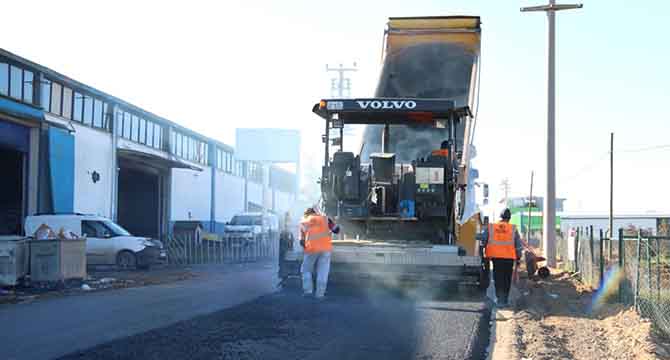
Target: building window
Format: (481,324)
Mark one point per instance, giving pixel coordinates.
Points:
(78,107)
(4,79)
(150,134)
(135,129)
(178,150)
(97,114)
(158,136)
(88,110)
(119,123)
(140,130)
(238,170)
(143,131)
(46,95)
(15,82)
(187,147)
(56,97)
(106,116)
(67,102)
(28,79)
(205,153)
(190,148)
(126,125)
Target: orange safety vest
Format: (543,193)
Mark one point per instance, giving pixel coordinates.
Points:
(317,234)
(440,152)
(501,241)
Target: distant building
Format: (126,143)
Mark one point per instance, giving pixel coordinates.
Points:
(68,147)
(519,207)
(651,224)
(536,204)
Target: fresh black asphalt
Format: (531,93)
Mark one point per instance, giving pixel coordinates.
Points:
(286,325)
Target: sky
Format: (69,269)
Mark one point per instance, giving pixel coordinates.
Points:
(214,66)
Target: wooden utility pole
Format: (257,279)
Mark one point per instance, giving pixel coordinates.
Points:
(530,206)
(549,218)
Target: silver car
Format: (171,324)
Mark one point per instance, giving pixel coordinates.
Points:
(107,243)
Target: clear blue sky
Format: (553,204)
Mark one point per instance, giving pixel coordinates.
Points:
(213,66)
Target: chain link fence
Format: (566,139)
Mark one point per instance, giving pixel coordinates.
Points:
(633,267)
(189,249)
(648,266)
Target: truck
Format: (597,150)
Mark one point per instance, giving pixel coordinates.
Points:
(406,200)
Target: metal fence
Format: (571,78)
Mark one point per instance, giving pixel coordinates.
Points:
(633,268)
(188,249)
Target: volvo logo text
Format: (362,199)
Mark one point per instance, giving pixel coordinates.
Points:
(387,104)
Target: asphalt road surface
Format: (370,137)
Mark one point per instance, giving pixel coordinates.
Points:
(49,328)
(286,325)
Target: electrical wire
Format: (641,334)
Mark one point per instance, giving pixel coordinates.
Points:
(586,168)
(592,165)
(648,148)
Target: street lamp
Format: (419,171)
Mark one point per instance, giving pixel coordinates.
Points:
(549,221)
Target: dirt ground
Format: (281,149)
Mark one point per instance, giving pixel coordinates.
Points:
(555,319)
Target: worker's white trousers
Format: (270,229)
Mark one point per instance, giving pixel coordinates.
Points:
(321,263)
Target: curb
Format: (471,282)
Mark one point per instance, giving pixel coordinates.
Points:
(502,344)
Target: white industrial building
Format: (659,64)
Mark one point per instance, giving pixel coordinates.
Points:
(67,147)
(652,224)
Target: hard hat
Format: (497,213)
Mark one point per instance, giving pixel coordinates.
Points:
(506,214)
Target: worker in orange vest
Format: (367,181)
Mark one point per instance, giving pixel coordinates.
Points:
(316,239)
(502,245)
(443,151)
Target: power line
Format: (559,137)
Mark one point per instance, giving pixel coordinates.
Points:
(648,148)
(592,165)
(586,168)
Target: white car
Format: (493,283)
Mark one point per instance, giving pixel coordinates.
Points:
(251,224)
(107,243)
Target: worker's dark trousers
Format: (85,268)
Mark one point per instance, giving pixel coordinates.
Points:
(502,275)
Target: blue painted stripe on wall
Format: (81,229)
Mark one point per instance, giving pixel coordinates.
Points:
(20,110)
(61,168)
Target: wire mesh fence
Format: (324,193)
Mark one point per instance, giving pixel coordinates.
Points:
(633,267)
(188,249)
(650,271)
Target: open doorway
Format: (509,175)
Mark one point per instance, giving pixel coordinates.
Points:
(12,191)
(139,205)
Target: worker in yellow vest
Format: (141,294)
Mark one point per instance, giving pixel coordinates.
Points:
(502,245)
(316,239)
